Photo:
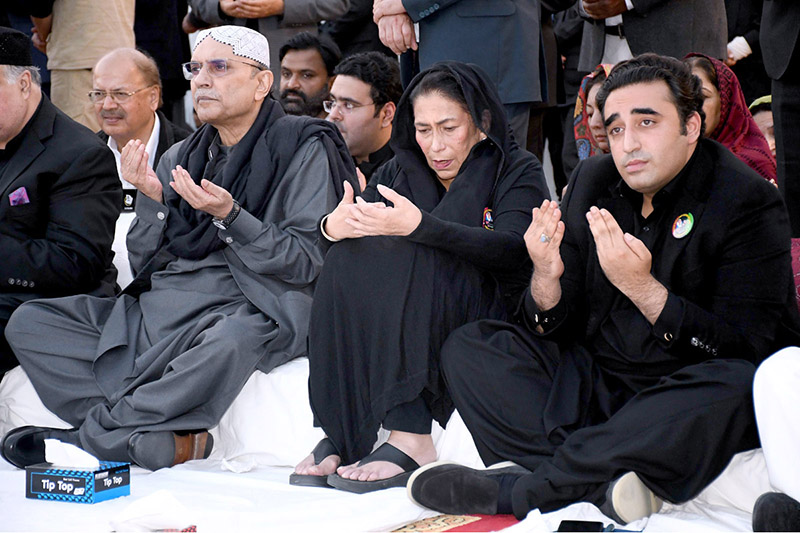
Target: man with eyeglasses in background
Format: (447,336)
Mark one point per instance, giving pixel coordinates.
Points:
(59,195)
(126,93)
(307,63)
(226,251)
(362,103)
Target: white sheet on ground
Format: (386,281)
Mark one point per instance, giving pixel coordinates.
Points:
(263,435)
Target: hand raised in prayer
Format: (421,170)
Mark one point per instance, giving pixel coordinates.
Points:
(206,197)
(603,9)
(379,219)
(397,32)
(543,240)
(135,169)
(251,9)
(381,8)
(626,262)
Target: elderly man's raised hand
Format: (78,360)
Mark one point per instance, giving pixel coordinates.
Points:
(603,9)
(543,240)
(378,219)
(206,197)
(135,169)
(397,32)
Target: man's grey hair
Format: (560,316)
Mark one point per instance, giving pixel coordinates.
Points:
(12,74)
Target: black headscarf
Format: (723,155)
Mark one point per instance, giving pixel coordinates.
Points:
(252,171)
(476,184)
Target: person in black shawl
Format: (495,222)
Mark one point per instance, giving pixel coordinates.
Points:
(226,251)
(435,241)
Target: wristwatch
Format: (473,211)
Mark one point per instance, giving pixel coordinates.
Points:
(225,223)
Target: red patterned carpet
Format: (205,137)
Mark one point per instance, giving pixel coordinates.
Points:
(453,523)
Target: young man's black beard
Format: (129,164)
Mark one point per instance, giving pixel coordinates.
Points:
(310,106)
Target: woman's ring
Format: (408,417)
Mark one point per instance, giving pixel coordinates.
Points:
(544,238)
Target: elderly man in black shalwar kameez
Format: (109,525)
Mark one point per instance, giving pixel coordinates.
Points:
(632,380)
(225,251)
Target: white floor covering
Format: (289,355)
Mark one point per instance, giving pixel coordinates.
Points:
(267,430)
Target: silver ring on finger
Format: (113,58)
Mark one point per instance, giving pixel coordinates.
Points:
(544,238)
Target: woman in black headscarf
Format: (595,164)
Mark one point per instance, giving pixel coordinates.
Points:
(434,242)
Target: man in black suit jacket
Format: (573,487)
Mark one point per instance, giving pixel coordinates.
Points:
(631,379)
(780,47)
(59,195)
(126,92)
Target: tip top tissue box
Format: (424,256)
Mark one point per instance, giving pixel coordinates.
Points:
(44,481)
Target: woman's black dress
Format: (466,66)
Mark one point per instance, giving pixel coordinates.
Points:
(384,306)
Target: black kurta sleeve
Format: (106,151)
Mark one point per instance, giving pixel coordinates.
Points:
(503,248)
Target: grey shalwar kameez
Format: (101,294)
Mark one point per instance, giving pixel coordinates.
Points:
(176,357)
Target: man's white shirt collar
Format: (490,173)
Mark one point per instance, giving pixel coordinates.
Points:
(150,148)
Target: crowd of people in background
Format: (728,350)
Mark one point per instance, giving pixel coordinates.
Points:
(360,181)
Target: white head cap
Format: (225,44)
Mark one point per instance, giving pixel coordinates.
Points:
(244,41)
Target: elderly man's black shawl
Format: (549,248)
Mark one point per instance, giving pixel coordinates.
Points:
(251,172)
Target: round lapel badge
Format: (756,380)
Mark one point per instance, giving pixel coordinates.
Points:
(682,225)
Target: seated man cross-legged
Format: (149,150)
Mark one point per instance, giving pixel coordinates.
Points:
(225,251)
(655,293)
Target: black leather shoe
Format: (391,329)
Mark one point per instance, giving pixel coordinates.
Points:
(774,511)
(455,489)
(162,449)
(24,446)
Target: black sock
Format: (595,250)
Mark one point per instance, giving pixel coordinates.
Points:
(504,501)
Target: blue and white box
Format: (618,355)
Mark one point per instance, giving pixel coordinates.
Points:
(110,480)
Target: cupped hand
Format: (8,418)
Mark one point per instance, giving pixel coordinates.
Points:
(543,240)
(206,197)
(135,168)
(378,219)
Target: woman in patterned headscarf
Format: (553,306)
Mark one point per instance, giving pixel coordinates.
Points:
(728,120)
(590,134)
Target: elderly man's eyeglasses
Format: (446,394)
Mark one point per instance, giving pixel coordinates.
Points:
(119,97)
(216,67)
(345,106)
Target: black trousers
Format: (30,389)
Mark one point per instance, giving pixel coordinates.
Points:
(576,430)
(786,114)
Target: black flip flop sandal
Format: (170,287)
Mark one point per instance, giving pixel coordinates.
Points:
(386,452)
(323,449)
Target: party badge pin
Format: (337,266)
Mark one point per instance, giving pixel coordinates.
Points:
(488,218)
(682,225)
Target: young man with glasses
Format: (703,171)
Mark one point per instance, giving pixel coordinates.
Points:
(126,94)
(226,253)
(362,103)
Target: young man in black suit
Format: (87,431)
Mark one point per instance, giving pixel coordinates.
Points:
(59,195)
(631,380)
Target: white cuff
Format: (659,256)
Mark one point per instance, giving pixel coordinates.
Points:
(739,48)
(322,229)
(629,5)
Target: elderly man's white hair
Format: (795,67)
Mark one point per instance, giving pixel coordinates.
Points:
(244,41)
